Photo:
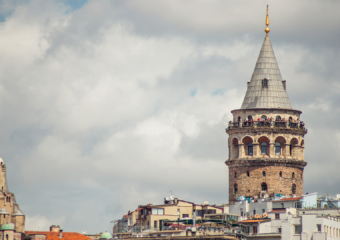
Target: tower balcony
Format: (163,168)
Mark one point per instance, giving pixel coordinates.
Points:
(266,124)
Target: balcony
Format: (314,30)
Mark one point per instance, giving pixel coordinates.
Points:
(266,124)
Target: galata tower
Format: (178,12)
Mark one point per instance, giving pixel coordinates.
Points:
(266,136)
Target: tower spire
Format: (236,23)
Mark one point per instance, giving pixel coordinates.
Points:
(267,30)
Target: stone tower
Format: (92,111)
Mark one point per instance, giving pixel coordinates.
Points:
(266,136)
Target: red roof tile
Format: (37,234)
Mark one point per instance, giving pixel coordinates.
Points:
(288,199)
(278,210)
(55,235)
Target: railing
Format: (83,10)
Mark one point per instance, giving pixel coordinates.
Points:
(266,124)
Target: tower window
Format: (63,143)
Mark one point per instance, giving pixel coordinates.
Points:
(293,188)
(264,187)
(235,175)
(278,148)
(236,190)
(248,174)
(293,175)
(280,174)
(264,173)
(250,149)
(265,83)
(263,148)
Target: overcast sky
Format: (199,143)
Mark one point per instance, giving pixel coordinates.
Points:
(105,105)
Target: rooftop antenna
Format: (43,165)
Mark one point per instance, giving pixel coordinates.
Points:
(267,30)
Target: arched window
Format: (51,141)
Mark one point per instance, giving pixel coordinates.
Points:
(263,148)
(278,148)
(248,174)
(278,118)
(250,118)
(293,175)
(235,175)
(250,149)
(264,117)
(264,187)
(293,188)
(264,173)
(280,174)
(236,190)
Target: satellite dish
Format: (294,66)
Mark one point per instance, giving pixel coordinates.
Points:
(167,198)
(172,197)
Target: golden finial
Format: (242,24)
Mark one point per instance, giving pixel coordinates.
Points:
(267,23)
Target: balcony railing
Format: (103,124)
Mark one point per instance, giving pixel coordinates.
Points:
(266,124)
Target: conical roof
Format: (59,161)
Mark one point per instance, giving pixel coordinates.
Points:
(270,95)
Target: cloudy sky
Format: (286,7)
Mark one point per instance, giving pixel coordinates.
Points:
(105,105)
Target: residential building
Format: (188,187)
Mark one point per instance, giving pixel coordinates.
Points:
(55,233)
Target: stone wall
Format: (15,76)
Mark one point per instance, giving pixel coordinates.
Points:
(250,186)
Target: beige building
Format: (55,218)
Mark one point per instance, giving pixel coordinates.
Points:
(149,215)
(9,209)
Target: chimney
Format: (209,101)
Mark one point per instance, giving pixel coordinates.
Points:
(60,233)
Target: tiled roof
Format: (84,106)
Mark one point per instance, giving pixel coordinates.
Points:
(277,210)
(288,199)
(274,95)
(253,221)
(55,235)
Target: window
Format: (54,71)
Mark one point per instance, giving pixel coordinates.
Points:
(293,175)
(199,213)
(250,149)
(318,226)
(264,117)
(248,174)
(263,173)
(254,229)
(293,188)
(277,215)
(290,149)
(279,230)
(185,215)
(235,174)
(265,83)
(236,190)
(277,148)
(280,174)
(155,224)
(250,118)
(298,229)
(254,211)
(157,211)
(241,214)
(278,118)
(264,187)
(263,148)
(282,205)
(239,119)
(263,210)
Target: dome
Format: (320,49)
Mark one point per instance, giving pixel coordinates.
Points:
(7,226)
(3,211)
(106,235)
(18,213)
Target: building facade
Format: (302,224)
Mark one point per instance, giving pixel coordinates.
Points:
(9,209)
(266,136)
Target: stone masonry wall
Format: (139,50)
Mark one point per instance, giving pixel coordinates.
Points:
(251,185)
